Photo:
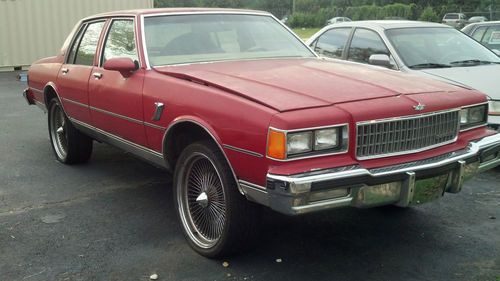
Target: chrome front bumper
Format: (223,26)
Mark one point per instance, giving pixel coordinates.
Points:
(403,185)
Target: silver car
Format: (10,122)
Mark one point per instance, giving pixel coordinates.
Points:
(486,33)
(456,20)
(422,48)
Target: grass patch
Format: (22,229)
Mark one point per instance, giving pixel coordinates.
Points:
(305,33)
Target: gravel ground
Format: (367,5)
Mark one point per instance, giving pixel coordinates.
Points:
(113,219)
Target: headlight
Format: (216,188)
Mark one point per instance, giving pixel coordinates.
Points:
(284,145)
(326,138)
(298,143)
(494,107)
(473,116)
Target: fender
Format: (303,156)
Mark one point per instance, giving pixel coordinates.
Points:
(208,129)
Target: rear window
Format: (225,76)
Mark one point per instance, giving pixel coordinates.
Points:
(451,16)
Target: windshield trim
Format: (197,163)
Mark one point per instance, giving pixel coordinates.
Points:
(256,13)
(403,62)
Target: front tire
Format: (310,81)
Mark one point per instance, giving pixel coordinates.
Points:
(69,145)
(216,219)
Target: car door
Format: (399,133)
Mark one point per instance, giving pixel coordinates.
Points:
(115,99)
(73,77)
(331,44)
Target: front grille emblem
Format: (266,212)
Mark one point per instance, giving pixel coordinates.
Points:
(419,107)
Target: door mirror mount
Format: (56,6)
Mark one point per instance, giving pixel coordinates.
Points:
(380,60)
(126,66)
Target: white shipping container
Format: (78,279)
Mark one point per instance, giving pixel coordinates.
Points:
(33,29)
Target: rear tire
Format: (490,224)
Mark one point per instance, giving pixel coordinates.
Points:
(69,145)
(216,219)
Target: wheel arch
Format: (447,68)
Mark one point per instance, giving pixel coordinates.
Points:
(184,131)
(50,92)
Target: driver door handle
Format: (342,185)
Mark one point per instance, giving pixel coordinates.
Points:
(64,70)
(97,75)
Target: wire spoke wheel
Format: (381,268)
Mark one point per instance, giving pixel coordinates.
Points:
(58,131)
(202,201)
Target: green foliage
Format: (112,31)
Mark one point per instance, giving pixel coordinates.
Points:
(315,13)
(428,14)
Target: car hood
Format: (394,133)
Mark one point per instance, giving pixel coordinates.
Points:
(483,78)
(290,84)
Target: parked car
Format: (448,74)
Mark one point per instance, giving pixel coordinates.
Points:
(422,48)
(456,20)
(486,33)
(477,19)
(337,20)
(243,112)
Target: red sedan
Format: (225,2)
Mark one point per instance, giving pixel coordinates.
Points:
(243,112)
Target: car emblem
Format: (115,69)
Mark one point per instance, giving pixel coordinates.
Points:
(419,107)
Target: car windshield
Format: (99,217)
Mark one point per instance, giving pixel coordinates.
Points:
(180,39)
(438,47)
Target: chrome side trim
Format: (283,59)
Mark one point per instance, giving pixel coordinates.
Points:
(344,147)
(138,150)
(154,126)
(116,115)
(75,102)
(245,151)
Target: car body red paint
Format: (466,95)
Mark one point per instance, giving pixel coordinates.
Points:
(237,102)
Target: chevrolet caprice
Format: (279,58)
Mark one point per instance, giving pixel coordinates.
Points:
(243,113)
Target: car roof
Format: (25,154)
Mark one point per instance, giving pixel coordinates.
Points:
(485,23)
(139,12)
(390,24)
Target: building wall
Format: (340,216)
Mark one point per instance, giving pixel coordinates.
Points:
(33,29)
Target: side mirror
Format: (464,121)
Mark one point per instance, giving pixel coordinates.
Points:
(497,52)
(123,65)
(380,60)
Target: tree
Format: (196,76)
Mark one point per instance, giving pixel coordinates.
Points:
(428,14)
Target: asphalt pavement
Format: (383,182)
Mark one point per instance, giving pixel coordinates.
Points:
(113,219)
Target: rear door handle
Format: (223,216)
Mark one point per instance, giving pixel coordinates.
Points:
(97,75)
(64,70)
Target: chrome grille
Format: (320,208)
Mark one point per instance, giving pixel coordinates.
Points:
(406,134)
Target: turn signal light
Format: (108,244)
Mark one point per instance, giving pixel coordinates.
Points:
(276,144)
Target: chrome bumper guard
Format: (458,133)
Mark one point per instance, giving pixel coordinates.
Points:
(402,185)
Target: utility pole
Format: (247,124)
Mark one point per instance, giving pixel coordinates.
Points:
(491,11)
(293,7)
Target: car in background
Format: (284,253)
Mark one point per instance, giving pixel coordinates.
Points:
(478,19)
(486,33)
(456,20)
(422,48)
(337,20)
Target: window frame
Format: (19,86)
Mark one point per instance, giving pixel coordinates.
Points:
(347,43)
(77,38)
(396,66)
(107,29)
(83,28)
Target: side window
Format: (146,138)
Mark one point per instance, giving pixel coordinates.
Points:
(76,42)
(120,41)
(491,38)
(364,44)
(88,45)
(332,43)
(478,33)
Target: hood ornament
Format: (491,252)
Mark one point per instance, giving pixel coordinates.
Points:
(419,107)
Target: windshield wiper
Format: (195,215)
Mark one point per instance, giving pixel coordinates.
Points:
(473,62)
(430,65)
